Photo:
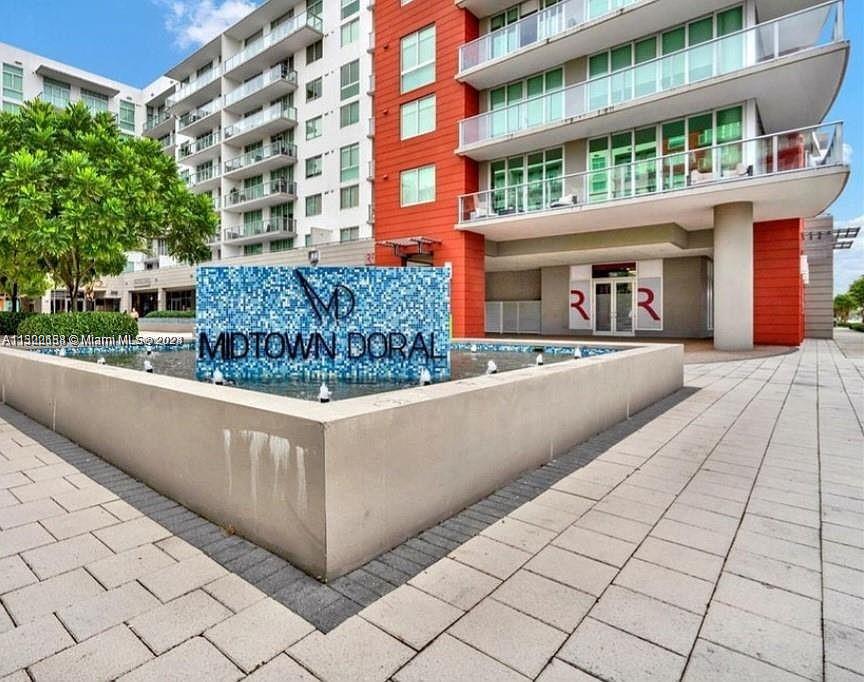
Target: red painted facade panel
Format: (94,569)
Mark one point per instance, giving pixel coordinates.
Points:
(778,289)
(455,175)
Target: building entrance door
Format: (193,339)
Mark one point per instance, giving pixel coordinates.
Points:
(614,302)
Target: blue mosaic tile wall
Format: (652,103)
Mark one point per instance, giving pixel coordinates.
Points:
(340,321)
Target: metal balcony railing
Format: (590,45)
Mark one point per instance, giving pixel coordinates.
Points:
(261,227)
(279,33)
(199,145)
(277,73)
(534,29)
(803,30)
(204,175)
(795,150)
(265,189)
(196,115)
(289,151)
(154,121)
(269,114)
(193,86)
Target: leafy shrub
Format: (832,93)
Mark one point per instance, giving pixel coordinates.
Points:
(171,313)
(10,321)
(82,324)
(857,326)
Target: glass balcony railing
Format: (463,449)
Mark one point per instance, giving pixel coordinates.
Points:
(196,115)
(154,121)
(534,29)
(192,179)
(265,189)
(257,228)
(277,73)
(285,149)
(794,150)
(199,145)
(279,33)
(193,86)
(804,30)
(272,113)
(168,141)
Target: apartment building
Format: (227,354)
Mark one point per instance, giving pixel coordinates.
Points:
(610,167)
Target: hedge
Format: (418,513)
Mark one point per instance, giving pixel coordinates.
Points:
(82,324)
(171,313)
(10,321)
(856,326)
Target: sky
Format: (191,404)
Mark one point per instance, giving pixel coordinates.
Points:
(136,41)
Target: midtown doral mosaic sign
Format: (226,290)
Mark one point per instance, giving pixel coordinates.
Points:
(259,322)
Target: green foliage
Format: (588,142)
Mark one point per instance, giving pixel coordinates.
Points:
(82,324)
(856,293)
(171,313)
(9,322)
(856,326)
(76,195)
(843,306)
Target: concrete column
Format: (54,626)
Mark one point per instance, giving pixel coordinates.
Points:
(733,276)
(160,299)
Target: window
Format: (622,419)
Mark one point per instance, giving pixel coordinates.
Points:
(55,92)
(281,245)
(349,78)
(11,107)
(349,197)
(418,58)
(253,249)
(350,32)
(314,52)
(350,7)
(349,114)
(13,83)
(314,128)
(313,166)
(313,89)
(349,163)
(315,7)
(127,116)
(349,234)
(418,117)
(418,185)
(95,101)
(313,205)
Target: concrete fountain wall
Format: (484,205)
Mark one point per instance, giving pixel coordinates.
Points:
(331,486)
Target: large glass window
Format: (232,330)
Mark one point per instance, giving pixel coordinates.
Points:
(96,102)
(350,7)
(314,127)
(56,92)
(528,182)
(313,205)
(349,114)
(349,163)
(282,245)
(538,110)
(417,185)
(314,166)
(126,119)
(349,234)
(418,117)
(349,197)
(350,32)
(349,79)
(315,51)
(418,58)
(314,89)
(13,83)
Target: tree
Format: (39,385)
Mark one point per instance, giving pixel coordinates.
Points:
(20,274)
(856,293)
(76,195)
(843,305)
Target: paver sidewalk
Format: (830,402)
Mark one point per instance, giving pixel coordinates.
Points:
(722,540)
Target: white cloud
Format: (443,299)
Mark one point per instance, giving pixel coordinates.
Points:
(847,152)
(849,263)
(195,22)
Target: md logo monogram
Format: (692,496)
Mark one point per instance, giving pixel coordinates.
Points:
(339,306)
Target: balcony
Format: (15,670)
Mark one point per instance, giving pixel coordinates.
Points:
(270,193)
(199,120)
(203,180)
(261,230)
(197,151)
(792,66)
(168,143)
(286,39)
(196,92)
(258,161)
(268,122)
(269,86)
(794,173)
(159,125)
